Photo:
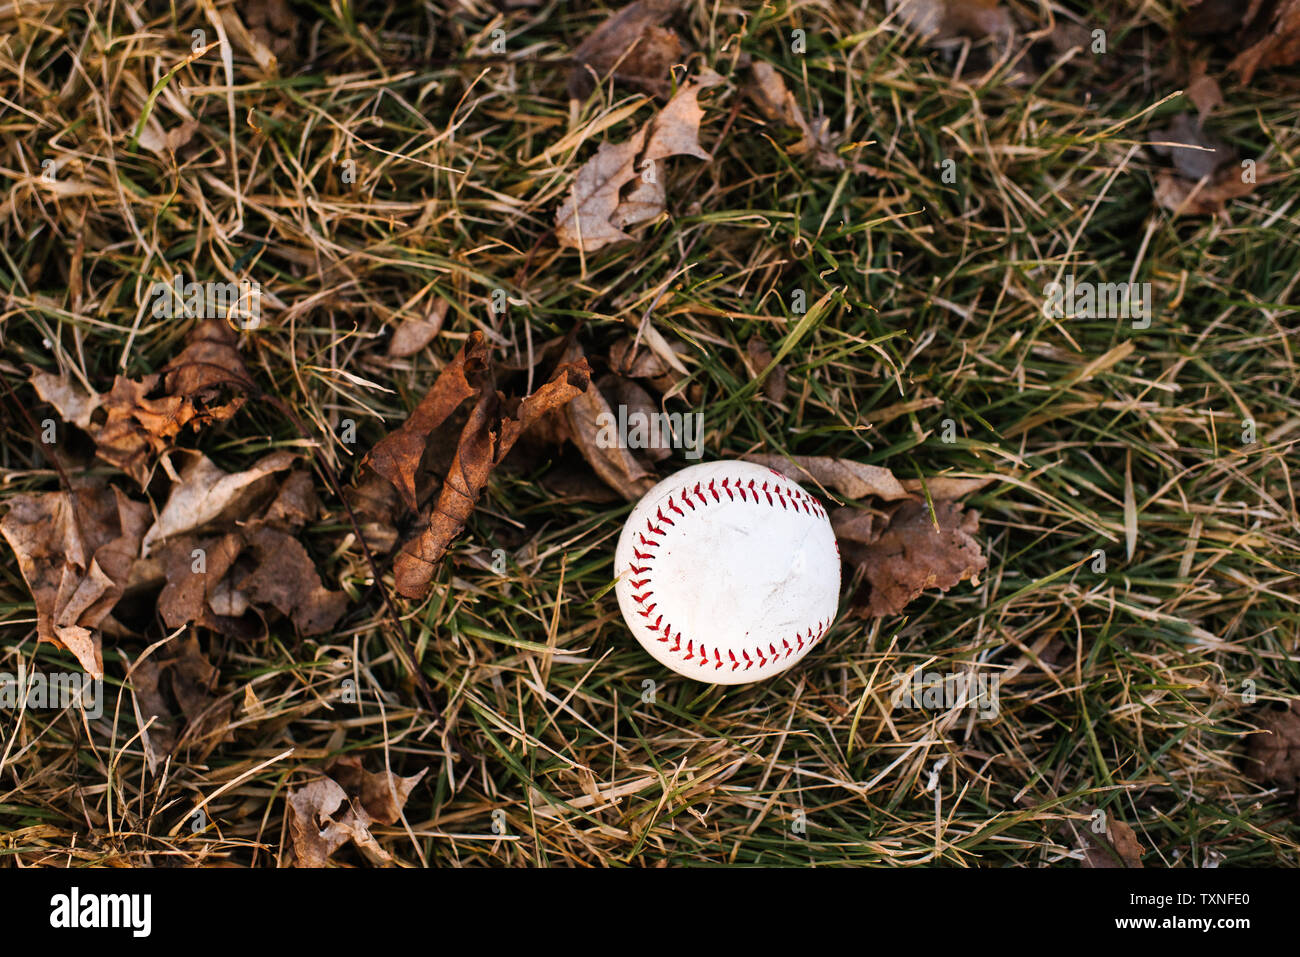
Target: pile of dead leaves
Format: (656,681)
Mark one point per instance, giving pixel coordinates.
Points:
(138,420)
(226,545)
(222,551)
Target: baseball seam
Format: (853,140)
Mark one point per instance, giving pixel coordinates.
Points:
(643,559)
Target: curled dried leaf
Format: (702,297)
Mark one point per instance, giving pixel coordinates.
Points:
(851,479)
(493,428)
(398,456)
(137,420)
(327,813)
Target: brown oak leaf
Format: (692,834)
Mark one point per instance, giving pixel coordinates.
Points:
(75,550)
(911,555)
(600,204)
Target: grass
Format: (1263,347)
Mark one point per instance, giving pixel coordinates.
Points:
(1120,689)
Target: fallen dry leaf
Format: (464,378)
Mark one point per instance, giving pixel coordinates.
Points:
(1215,18)
(620,391)
(779,105)
(1273,755)
(286,578)
(986,34)
(890,538)
(340,807)
(273,25)
(246,42)
(295,504)
(911,556)
(942,21)
(493,427)
(853,524)
(637,361)
(1119,849)
(614,464)
(207,495)
(634,45)
(1185,198)
(322,819)
(373,503)
(651,358)
(154,139)
(398,456)
(416,332)
(382,794)
(192,585)
(177,687)
(134,430)
(75,550)
(1205,178)
(945,488)
(1203,92)
(220,557)
(208,370)
(597,208)
(1279,47)
(851,479)
(1200,153)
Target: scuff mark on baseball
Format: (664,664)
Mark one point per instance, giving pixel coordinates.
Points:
(728,572)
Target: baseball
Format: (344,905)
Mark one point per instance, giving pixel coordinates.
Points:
(728,572)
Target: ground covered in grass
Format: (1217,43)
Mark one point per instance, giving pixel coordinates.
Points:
(869,288)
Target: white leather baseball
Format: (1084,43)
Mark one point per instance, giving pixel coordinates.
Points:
(728,572)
